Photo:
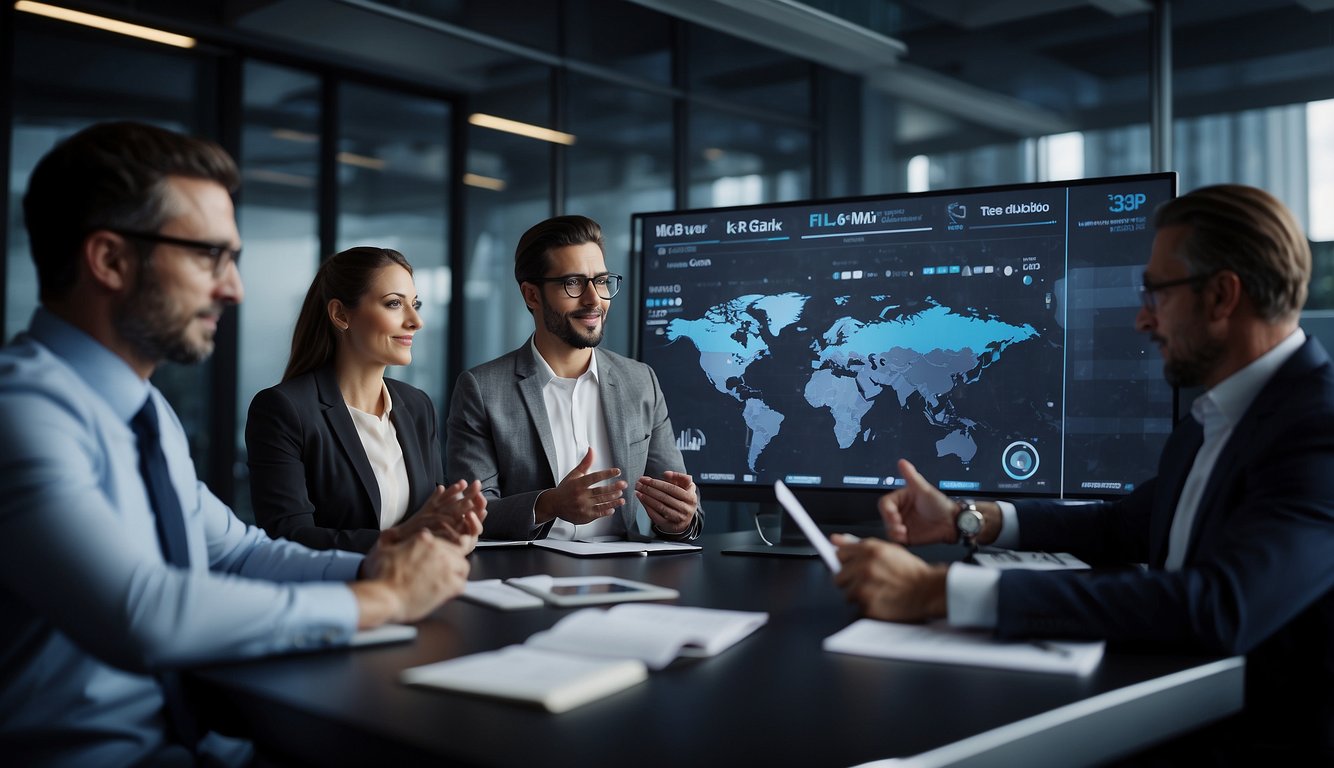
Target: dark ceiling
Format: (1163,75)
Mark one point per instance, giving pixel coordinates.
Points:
(964,71)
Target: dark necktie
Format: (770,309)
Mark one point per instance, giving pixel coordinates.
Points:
(170,523)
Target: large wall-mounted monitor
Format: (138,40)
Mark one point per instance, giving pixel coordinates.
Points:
(986,334)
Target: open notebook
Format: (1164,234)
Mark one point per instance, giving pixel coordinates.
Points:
(590,654)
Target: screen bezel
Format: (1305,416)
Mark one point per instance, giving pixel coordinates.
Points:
(841,505)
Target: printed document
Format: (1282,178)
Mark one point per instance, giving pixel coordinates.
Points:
(939,642)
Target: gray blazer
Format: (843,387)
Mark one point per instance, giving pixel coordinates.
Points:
(499,433)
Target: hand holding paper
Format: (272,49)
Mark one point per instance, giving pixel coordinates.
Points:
(889,582)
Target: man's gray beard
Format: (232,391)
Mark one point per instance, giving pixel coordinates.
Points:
(145,322)
(1199,361)
(561,327)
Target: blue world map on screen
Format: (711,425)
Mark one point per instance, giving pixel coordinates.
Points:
(855,363)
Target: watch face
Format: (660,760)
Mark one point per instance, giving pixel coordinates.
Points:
(969,521)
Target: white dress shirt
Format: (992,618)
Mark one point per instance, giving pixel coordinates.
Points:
(574,413)
(380,440)
(972,592)
(1218,411)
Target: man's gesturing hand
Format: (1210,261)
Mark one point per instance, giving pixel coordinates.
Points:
(577,500)
(918,513)
(670,502)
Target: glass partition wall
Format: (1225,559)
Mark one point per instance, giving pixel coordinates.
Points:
(369,123)
(64,81)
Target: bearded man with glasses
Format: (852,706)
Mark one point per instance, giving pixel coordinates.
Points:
(558,430)
(118,568)
(1236,530)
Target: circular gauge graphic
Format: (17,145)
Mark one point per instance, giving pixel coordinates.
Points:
(1020,460)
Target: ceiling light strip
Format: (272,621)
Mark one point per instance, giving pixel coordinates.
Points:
(484,182)
(482,120)
(105,24)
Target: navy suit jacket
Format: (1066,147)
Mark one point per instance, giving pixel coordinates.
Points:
(1258,577)
(310,480)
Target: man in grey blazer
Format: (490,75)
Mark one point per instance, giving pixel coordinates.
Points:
(557,409)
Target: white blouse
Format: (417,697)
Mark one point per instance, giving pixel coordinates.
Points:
(380,440)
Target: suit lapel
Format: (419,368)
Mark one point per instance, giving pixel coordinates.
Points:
(412,450)
(1271,397)
(530,392)
(615,406)
(1237,443)
(1178,456)
(345,432)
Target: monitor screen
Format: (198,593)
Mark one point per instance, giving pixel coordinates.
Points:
(985,334)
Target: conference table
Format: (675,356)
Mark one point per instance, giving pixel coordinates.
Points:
(775,698)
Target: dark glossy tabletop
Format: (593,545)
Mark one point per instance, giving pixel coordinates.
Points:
(775,698)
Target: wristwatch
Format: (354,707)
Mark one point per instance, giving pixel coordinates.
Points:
(968,522)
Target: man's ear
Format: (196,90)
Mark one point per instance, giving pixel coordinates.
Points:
(337,314)
(531,295)
(110,261)
(1227,294)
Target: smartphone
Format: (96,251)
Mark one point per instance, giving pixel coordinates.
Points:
(604,588)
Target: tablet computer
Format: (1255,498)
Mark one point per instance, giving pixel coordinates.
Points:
(568,591)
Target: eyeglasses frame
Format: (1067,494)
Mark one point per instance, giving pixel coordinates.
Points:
(587,281)
(1147,289)
(220,254)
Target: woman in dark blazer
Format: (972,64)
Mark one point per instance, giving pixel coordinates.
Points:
(337,452)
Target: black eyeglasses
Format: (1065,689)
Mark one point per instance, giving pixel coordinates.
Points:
(219,255)
(606,285)
(1148,289)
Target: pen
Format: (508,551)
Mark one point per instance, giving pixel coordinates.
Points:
(1049,647)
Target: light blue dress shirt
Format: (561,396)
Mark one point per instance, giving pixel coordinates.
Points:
(89,607)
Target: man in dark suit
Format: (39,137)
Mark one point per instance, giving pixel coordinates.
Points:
(1237,528)
(554,409)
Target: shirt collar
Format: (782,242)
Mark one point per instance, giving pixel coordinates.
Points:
(105,372)
(545,372)
(1230,397)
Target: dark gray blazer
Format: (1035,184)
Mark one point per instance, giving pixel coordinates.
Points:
(499,433)
(310,480)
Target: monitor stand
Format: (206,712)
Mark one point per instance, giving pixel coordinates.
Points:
(789,541)
(772,550)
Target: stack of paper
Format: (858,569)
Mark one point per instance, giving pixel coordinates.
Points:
(590,654)
(554,681)
(1008,559)
(596,548)
(604,548)
(385,633)
(942,643)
